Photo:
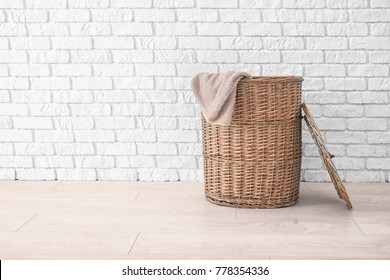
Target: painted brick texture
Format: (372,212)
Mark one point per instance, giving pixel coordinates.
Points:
(99,89)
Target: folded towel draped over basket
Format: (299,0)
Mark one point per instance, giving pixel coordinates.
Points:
(216,94)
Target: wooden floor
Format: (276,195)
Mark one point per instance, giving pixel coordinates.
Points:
(138,220)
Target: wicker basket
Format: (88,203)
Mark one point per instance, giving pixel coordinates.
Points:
(256,161)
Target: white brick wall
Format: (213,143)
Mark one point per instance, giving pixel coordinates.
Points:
(99,89)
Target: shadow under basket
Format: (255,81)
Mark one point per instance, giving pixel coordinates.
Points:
(255,162)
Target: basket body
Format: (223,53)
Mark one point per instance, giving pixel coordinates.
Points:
(256,161)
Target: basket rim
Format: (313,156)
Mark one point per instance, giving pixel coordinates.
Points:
(272,79)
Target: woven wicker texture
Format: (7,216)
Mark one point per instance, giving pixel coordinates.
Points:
(256,161)
(326,157)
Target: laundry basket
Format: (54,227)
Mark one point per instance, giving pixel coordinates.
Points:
(256,161)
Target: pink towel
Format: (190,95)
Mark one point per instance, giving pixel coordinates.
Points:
(216,94)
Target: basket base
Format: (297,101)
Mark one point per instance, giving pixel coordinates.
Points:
(254,204)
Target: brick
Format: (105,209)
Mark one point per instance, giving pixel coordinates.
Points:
(378,110)
(202,43)
(345,84)
(10,56)
(373,43)
(90,29)
(190,70)
(116,149)
(132,109)
(70,15)
(260,4)
(53,136)
(175,29)
(347,3)
(379,84)
(157,122)
(190,149)
(155,69)
(32,123)
(113,70)
(53,161)
(135,161)
(131,4)
(366,151)
(156,43)
(347,29)
(6,149)
(74,149)
(369,15)
(217,56)
(379,137)
(7,174)
(345,137)
(116,174)
(312,163)
(325,70)
(41,4)
(70,43)
(73,123)
(48,29)
(132,29)
(328,43)
(174,110)
(326,15)
(380,29)
(88,136)
(176,162)
(283,43)
(92,83)
(331,124)
(113,96)
(217,4)
(159,175)
(12,4)
(29,70)
(283,15)
(30,43)
(296,4)
(16,136)
(365,176)
(156,149)
(134,83)
(349,163)
(51,56)
(176,83)
(378,163)
(348,111)
(95,161)
(177,136)
(177,56)
(33,174)
(303,57)
(304,29)
(31,96)
(71,96)
(13,29)
(26,15)
(198,15)
(380,4)
(367,124)
(368,70)
(16,161)
(91,3)
(345,57)
(261,29)
(318,176)
(240,43)
(133,56)
(156,96)
(283,69)
(154,15)
(71,70)
(115,122)
(90,109)
(367,97)
(136,135)
(50,83)
(91,56)
(5,122)
(111,42)
(76,174)
(260,56)
(13,109)
(379,56)
(112,15)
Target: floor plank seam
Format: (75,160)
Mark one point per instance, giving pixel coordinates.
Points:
(358,227)
(135,240)
(55,185)
(26,223)
(137,195)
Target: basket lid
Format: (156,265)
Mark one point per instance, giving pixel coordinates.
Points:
(326,156)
